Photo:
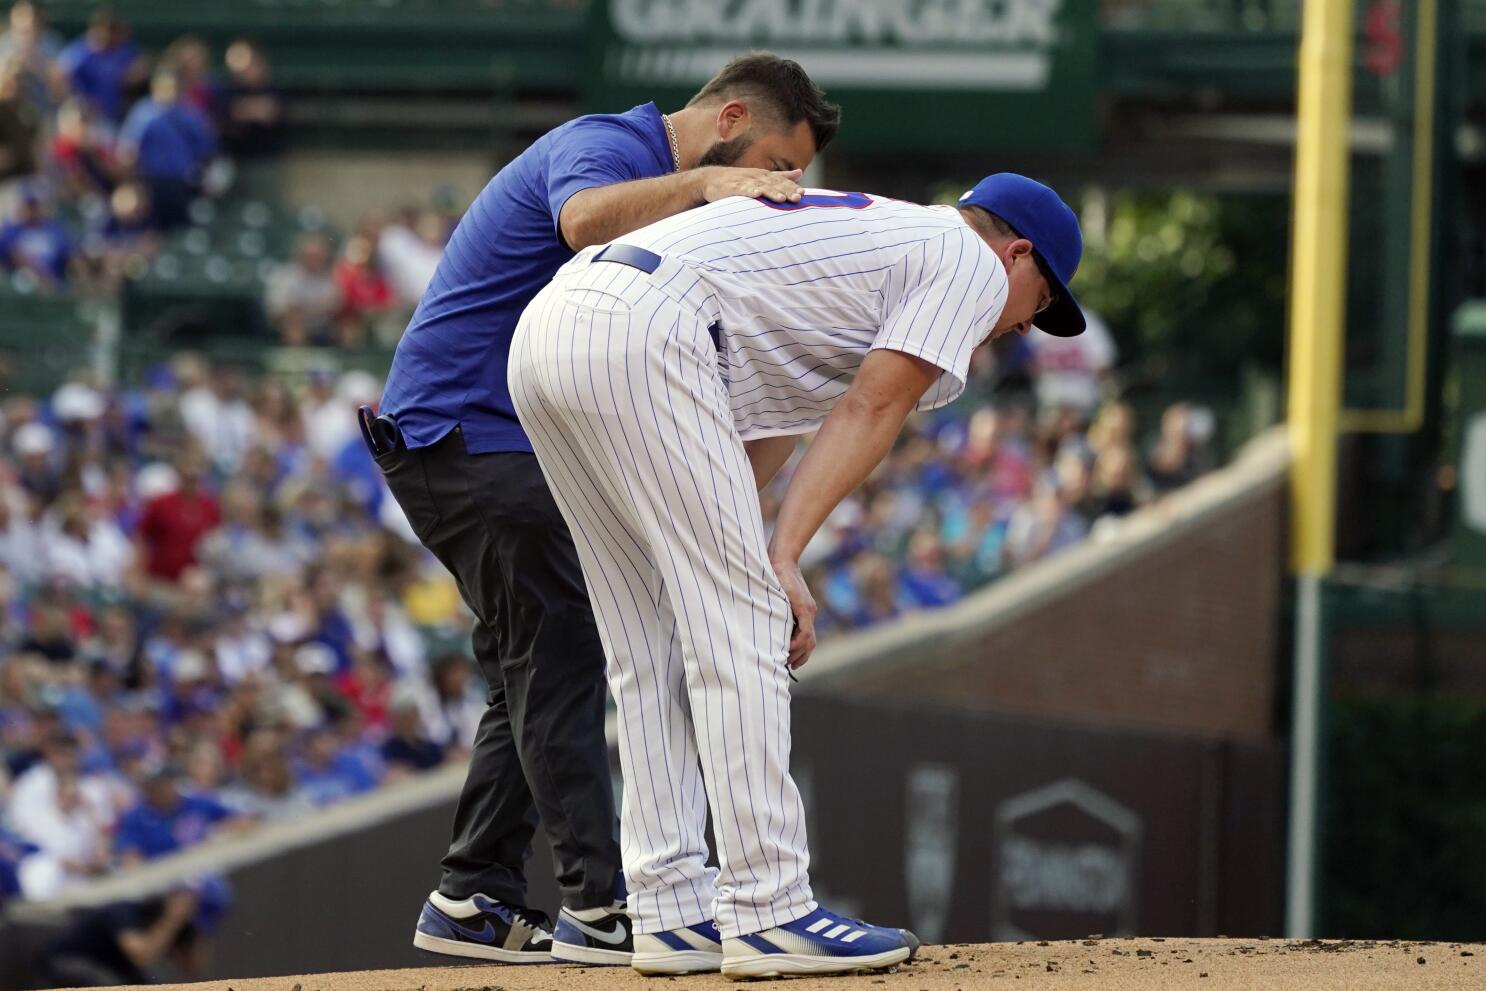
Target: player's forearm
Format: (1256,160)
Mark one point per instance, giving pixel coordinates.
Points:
(851,442)
(600,214)
(767,455)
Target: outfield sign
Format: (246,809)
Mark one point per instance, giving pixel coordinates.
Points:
(931,75)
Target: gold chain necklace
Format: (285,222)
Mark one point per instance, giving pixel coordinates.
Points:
(675,148)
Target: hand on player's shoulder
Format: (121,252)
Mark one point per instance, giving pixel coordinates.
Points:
(721,181)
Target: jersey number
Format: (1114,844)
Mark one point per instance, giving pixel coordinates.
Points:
(823,198)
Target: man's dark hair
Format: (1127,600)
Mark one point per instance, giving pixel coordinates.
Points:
(987,222)
(785,91)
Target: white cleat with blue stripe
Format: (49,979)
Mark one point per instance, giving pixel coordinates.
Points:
(820,943)
(690,950)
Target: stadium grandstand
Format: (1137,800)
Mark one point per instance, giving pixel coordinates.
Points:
(218,631)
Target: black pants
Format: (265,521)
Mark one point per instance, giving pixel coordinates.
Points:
(492,522)
(170,202)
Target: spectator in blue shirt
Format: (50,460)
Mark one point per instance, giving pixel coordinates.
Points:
(103,64)
(408,748)
(166,821)
(329,773)
(925,582)
(36,242)
(167,143)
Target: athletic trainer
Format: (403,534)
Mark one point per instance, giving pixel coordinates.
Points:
(461,467)
(663,379)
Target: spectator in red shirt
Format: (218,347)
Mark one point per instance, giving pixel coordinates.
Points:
(366,294)
(173,523)
(81,155)
(368,685)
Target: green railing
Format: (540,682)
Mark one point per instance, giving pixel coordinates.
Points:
(1202,16)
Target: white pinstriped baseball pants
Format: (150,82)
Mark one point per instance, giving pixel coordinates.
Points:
(616,384)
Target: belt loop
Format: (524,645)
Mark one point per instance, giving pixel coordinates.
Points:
(628,254)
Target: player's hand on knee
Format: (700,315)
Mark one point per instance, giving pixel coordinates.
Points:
(802,605)
(722,181)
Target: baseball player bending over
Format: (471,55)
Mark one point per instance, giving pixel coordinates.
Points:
(662,379)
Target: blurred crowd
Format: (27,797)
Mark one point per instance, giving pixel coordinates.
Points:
(106,149)
(105,146)
(366,293)
(1034,458)
(213,617)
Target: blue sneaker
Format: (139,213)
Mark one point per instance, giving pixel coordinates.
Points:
(601,936)
(691,950)
(820,943)
(482,928)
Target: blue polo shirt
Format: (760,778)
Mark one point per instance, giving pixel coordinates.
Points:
(174,140)
(450,366)
(98,74)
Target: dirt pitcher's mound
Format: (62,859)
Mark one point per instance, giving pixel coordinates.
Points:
(1111,964)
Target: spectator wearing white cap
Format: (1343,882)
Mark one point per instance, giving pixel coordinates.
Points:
(37,467)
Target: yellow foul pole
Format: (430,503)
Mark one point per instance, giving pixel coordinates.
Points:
(1318,275)
(1317,301)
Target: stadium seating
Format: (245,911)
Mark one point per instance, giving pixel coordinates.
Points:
(399,45)
(42,338)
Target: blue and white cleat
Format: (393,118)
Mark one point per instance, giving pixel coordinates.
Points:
(691,950)
(820,943)
(482,928)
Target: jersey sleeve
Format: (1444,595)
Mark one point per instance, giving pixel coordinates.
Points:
(944,297)
(588,154)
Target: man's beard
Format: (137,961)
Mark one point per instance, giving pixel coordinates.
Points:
(726,152)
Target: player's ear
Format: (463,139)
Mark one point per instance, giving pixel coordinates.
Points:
(732,119)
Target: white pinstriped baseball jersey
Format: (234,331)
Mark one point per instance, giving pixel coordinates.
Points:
(637,375)
(803,291)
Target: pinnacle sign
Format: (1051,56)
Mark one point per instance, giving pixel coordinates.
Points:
(952,75)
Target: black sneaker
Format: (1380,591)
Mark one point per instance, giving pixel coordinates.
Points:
(609,940)
(484,929)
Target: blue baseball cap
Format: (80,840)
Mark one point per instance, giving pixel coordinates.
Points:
(1036,213)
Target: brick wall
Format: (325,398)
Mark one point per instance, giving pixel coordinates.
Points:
(1180,632)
